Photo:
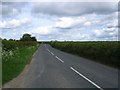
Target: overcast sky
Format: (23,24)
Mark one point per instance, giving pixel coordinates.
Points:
(78,21)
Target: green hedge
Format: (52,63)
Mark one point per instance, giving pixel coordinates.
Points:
(11,45)
(106,52)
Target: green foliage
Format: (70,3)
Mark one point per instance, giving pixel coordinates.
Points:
(106,52)
(8,45)
(27,37)
(15,55)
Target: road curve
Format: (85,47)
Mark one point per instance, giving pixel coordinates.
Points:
(52,68)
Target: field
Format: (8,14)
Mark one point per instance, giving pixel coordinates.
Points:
(15,55)
(106,52)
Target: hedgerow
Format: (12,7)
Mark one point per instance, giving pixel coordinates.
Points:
(106,52)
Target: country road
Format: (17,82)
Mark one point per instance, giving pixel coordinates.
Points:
(52,68)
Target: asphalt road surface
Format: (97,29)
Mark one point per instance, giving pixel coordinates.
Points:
(52,68)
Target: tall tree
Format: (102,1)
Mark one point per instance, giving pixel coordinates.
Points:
(27,37)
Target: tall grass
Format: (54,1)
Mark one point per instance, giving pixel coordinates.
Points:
(15,56)
(106,52)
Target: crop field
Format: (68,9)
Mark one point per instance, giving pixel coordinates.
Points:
(106,52)
(15,55)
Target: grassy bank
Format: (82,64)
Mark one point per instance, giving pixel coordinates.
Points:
(15,56)
(106,52)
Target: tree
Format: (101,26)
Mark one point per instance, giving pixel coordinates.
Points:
(11,39)
(33,39)
(27,37)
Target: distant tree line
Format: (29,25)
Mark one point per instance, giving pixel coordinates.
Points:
(25,37)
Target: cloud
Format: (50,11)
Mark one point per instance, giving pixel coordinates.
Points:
(79,28)
(110,20)
(69,22)
(112,23)
(52,33)
(14,23)
(60,21)
(73,9)
(9,9)
(75,35)
(105,33)
(44,30)
(85,21)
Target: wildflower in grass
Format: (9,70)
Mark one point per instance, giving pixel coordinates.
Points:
(17,48)
(10,53)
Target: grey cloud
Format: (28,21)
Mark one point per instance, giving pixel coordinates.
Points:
(105,34)
(73,9)
(10,8)
(64,28)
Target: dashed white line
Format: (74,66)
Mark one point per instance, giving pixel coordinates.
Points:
(52,53)
(86,78)
(55,56)
(76,71)
(59,59)
(48,50)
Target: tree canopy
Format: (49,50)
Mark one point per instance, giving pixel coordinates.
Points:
(27,37)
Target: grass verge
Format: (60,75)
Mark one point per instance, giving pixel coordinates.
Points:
(14,62)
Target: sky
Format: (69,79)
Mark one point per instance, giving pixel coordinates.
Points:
(61,21)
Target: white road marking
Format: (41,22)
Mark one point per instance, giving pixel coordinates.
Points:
(59,59)
(48,50)
(52,53)
(86,78)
